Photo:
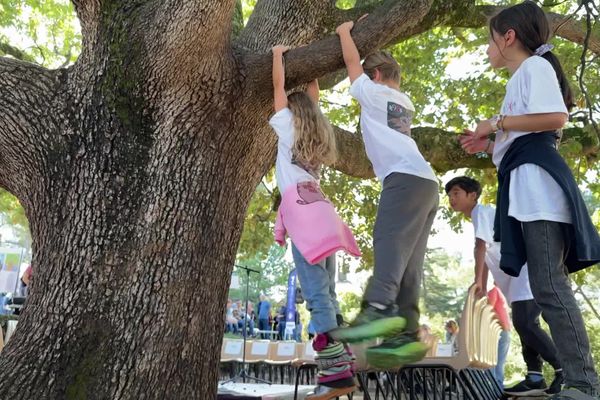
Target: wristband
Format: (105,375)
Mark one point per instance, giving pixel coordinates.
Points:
(501,122)
(487,148)
(494,122)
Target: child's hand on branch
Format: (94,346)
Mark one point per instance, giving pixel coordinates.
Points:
(345,27)
(279,49)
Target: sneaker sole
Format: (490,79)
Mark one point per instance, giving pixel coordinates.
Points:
(386,358)
(332,394)
(385,327)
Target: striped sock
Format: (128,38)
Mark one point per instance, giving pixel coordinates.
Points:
(334,364)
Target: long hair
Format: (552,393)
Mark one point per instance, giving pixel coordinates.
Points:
(532,29)
(385,63)
(314,139)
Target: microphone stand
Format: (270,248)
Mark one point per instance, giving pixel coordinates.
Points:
(243,374)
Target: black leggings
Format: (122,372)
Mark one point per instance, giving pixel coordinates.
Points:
(537,344)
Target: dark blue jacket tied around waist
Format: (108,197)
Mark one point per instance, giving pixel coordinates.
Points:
(540,149)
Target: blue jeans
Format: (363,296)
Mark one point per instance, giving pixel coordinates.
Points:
(503,346)
(249,326)
(315,282)
(330,266)
(263,325)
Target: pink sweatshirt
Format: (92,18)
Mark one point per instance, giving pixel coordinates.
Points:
(312,223)
(498,302)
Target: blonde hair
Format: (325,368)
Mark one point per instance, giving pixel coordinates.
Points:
(385,63)
(314,139)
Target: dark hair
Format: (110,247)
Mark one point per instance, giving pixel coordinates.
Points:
(531,27)
(467,184)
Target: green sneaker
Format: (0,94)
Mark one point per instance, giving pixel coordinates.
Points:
(396,352)
(370,323)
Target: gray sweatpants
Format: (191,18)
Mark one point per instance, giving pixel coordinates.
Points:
(406,211)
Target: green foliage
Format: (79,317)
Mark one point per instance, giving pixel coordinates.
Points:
(11,210)
(445,284)
(274,271)
(47,31)
(349,305)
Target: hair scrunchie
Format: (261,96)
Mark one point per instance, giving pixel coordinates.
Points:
(543,49)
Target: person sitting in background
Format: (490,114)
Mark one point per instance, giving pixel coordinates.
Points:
(231,323)
(247,316)
(451,334)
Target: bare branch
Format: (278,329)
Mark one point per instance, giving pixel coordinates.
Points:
(26,92)
(12,51)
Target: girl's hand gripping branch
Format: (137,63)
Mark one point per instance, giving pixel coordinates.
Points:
(279,96)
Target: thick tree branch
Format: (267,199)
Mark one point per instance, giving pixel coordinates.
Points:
(352,158)
(289,22)
(9,50)
(89,14)
(439,147)
(306,63)
(465,14)
(26,91)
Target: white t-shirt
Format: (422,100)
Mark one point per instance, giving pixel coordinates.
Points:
(533,193)
(386,115)
(513,288)
(288,171)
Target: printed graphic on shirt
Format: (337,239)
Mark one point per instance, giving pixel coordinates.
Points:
(314,171)
(399,118)
(309,192)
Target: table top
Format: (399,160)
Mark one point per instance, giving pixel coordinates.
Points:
(243,391)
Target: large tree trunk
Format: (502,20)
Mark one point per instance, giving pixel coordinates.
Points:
(135,168)
(136,188)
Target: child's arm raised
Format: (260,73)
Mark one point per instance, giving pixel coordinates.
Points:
(349,50)
(279,96)
(312,90)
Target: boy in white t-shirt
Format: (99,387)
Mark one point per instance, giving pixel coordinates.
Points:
(463,193)
(407,207)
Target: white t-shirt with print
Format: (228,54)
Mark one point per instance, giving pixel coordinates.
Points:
(385,119)
(513,288)
(287,171)
(533,194)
